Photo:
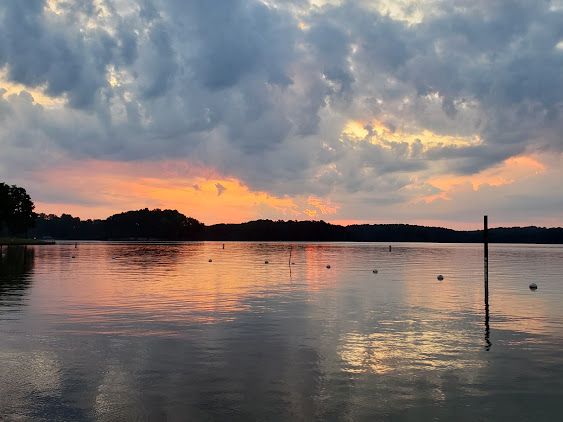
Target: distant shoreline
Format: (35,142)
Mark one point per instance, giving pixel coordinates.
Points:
(171,225)
(10,241)
(291,242)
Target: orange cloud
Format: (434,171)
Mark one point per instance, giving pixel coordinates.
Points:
(512,169)
(321,207)
(97,189)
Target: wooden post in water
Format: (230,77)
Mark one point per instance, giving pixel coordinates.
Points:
(486,245)
(486,275)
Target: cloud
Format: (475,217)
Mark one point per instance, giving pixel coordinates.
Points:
(220,189)
(264,91)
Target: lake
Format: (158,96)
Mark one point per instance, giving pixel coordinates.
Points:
(133,331)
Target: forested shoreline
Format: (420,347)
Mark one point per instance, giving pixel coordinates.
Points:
(172,225)
(20,224)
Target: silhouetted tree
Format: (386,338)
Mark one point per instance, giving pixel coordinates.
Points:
(143,224)
(16,210)
(152,224)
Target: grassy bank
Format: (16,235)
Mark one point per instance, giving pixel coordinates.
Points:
(15,241)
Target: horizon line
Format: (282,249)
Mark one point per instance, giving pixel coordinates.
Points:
(334,223)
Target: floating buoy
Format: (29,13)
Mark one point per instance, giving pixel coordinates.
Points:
(293,263)
(210,260)
(266,262)
(533,286)
(73,256)
(374,271)
(440,277)
(328,266)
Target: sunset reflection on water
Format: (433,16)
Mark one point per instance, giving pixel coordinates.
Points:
(106,331)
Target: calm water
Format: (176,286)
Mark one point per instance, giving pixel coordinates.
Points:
(117,332)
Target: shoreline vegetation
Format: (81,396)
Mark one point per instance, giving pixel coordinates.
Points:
(171,225)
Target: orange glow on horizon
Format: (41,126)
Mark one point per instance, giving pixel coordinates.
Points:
(98,189)
(202,193)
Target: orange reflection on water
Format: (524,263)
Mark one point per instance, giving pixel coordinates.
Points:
(316,258)
(138,289)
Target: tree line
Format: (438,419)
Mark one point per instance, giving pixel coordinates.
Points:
(17,218)
(267,230)
(172,225)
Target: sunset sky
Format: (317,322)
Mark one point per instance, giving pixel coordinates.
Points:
(416,111)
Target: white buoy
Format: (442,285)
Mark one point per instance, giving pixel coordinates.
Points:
(440,277)
(328,266)
(374,271)
(533,286)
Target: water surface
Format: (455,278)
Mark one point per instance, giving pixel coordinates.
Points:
(125,331)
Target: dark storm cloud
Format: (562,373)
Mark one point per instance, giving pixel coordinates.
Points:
(470,159)
(52,52)
(331,46)
(237,38)
(160,67)
(262,90)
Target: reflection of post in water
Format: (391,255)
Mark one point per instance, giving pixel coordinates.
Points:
(486,274)
(488,343)
(289,262)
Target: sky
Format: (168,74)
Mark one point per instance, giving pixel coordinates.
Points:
(408,111)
